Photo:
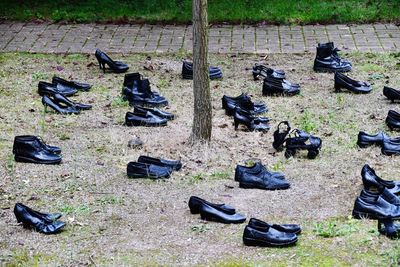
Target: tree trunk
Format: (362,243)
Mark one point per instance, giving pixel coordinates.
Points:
(202,119)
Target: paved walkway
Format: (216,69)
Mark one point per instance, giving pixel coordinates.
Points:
(78,38)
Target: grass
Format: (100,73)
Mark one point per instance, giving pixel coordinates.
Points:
(179,11)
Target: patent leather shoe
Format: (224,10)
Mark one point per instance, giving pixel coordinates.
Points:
(175,165)
(243,101)
(261,71)
(364,139)
(48,217)
(375,208)
(328,59)
(60,99)
(252,122)
(115,66)
(143,170)
(195,203)
(71,84)
(187,71)
(269,237)
(342,81)
(274,86)
(256,168)
(50,89)
(140,119)
(31,150)
(210,213)
(31,138)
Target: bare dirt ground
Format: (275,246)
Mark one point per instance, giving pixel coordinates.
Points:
(113,220)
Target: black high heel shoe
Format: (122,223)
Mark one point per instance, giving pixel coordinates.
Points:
(115,66)
(251,122)
(58,98)
(48,102)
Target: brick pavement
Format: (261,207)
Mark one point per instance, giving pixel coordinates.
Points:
(84,38)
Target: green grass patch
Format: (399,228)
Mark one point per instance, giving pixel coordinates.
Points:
(238,11)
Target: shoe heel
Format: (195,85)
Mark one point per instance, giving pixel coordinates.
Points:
(236,124)
(337,88)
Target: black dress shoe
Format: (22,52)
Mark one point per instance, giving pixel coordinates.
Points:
(195,203)
(263,226)
(364,139)
(60,99)
(243,101)
(384,193)
(261,71)
(328,60)
(143,170)
(187,71)
(391,93)
(31,150)
(155,111)
(391,147)
(211,213)
(148,119)
(50,89)
(393,120)
(342,81)
(269,237)
(175,165)
(375,208)
(48,101)
(71,84)
(28,138)
(142,95)
(372,181)
(388,228)
(48,217)
(32,219)
(275,86)
(252,122)
(132,84)
(257,177)
(115,66)
(256,168)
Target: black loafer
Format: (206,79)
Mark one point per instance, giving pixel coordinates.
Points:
(342,81)
(263,226)
(143,170)
(31,150)
(391,93)
(393,120)
(71,84)
(195,203)
(140,119)
(210,213)
(364,139)
(32,219)
(384,193)
(50,89)
(155,111)
(328,59)
(175,165)
(375,208)
(269,237)
(372,181)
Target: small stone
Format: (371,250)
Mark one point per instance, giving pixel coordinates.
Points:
(135,143)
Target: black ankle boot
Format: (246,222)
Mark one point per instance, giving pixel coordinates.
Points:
(328,60)
(250,121)
(28,138)
(32,150)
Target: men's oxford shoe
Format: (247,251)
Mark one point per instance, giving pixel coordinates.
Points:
(143,170)
(269,237)
(31,150)
(328,60)
(195,203)
(71,84)
(210,213)
(342,81)
(263,226)
(32,219)
(175,165)
(393,120)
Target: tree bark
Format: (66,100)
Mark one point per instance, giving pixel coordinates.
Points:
(202,118)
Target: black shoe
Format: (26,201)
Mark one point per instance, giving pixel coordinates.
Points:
(391,93)
(48,217)
(269,237)
(50,89)
(32,150)
(143,96)
(258,177)
(48,101)
(384,193)
(328,60)
(115,66)
(256,168)
(244,102)
(264,72)
(71,84)
(148,119)
(391,147)
(187,71)
(375,208)
(373,182)
(212,213)
(195,203)
(393,120)
(133,85)
(32,219)
(389,228)
(274,86)
(60,99)
(175,165)
(29,138)
(155,111)
(250,121)
(143,170)
(365,140)
(263,226)
(342,81)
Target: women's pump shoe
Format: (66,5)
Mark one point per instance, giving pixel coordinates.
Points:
(71,84)
(50,89)
(393,120)
(32,150)
(60,99)
(51,102)
(372,181)
(358,87)
(115,66)
(31,219)
(391,93)
(195,203)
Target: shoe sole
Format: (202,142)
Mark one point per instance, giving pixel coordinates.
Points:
(146,124)
(29,160)
(136,176)
(261,243)
(250,186)
(322,69)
